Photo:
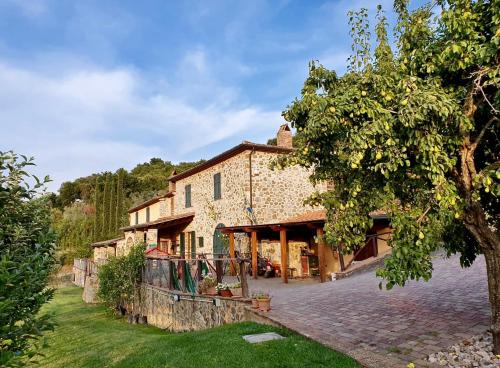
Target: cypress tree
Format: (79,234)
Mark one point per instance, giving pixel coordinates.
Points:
(98,209)
(112,208)
(106,205)
(119,199)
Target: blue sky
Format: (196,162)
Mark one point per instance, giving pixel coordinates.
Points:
(90,86)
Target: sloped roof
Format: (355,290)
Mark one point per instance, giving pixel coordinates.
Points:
(146,203)
(245,145)
(156,253)
(105,243)
(175,219)
(311,216)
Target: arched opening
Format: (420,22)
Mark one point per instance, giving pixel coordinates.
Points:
(221,242)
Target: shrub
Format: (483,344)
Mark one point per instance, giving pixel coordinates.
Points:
(26,260)
(119,277)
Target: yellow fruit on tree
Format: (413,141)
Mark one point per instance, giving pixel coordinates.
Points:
(378,156)
(421,235)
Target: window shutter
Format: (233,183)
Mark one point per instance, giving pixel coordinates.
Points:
(136,218)
(193,244)
(217,186)
(188,195)
(147,214)
(200,242)
(182,246)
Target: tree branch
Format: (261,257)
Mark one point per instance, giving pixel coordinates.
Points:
(474,145)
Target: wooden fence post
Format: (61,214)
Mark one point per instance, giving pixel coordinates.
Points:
(219,270)
(243,278)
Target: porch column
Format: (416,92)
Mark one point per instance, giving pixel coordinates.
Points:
(321,254)
(231,254)
(284,255)
(254,254)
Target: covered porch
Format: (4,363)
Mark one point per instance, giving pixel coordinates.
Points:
(166,235)
(297,246)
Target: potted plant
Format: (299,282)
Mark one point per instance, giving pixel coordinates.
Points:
(236,289)
(207,285)
(264,301)
(223,290)
(255,302)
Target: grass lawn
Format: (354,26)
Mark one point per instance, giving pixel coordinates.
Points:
(88,336)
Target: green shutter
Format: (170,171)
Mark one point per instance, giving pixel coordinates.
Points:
(182,248)
(193,244)
(147,214)
(217,186)
(136,218)
(188,195)
(200,242)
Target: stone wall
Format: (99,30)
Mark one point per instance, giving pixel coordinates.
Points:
(190,313)
(79,271)
(228,210)
(279,194)
(90,289)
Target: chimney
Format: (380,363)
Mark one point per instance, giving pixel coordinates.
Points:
(284,137)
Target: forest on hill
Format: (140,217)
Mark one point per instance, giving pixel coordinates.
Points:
(94,207)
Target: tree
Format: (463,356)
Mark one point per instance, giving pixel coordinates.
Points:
(112,208)
(26,260)
(106,200)
(415,134)
(98,224)
(120,213)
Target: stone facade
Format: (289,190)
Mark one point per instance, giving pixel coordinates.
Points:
(246,179)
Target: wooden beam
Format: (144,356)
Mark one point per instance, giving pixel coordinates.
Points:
(284,256)
(254,254)
(321,255)
(276,227)
(231,254)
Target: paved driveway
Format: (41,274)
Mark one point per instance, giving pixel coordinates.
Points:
(388,328)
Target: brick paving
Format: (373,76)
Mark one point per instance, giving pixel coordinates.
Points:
(387,328)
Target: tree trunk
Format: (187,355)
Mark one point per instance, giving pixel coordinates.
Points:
(489,242)
(493,270)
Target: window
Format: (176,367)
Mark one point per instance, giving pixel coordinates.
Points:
(200,242)
(136,218)
(217,187)
(182,245)
(187,190)
(147,214)
(193,244)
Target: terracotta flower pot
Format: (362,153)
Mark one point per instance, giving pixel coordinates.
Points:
(255,304)
(211,291)
(236,292)
(264,304)
(225,293)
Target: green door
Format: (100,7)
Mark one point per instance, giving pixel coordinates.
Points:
(220,242)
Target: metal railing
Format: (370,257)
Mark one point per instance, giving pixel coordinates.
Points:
(186,274)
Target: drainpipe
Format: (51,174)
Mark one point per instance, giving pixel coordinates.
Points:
(251,188)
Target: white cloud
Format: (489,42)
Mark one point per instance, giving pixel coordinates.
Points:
(80,121)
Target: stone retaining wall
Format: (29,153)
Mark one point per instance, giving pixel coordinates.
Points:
(90,289)
(191,312)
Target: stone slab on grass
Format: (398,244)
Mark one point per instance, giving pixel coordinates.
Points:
(262,337)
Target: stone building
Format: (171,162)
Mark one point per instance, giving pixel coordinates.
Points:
(235,193)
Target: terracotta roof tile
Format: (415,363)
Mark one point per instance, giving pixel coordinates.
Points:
(159,221)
